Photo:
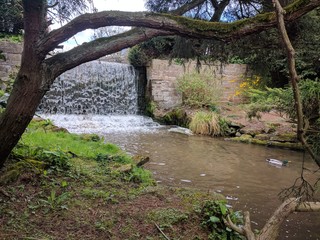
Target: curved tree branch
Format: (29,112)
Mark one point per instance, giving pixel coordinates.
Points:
(98,48)
(175,24)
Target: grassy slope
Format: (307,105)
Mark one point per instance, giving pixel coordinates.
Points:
(87,197)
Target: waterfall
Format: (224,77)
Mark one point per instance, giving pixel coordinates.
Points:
(95,87)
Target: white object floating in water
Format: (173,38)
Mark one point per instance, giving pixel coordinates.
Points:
(228,206)
(219,191)
(159,181)
(277,162)
(202,174)
(231,198)
(185,180)
(156,163)
(181,130)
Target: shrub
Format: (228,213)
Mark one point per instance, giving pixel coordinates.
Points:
(137,57)
(282,100)
(199,89)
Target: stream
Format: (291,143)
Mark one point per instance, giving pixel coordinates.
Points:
(238,171)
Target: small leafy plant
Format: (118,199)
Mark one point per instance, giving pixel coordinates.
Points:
(54,201)
(213,214)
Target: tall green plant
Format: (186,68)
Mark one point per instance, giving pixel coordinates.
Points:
(199,89)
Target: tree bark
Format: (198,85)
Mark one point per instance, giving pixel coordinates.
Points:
(177,25)
(27,90)
(294,80)
(270,231)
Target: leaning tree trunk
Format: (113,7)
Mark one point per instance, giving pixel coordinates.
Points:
(27,90)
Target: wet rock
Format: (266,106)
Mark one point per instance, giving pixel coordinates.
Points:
(246,136)
(238,134)
(181,130)
(262,136)
(288,137)
(235,125)
(140,160)
(249,130)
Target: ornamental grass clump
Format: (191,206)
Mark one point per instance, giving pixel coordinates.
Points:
(199,89)
(205,123)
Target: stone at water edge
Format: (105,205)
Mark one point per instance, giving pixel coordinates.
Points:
(140,160)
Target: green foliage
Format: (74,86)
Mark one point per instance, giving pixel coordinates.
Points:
(15,38)
(39,135)
(11,16)
(206,123)
(54,159)
(282,101)
(107,158)
(213,214)
(137,57)
(90,137)
(167,217)
(199,89)
(140,176)
(176,116)
(151,107)
(54,201)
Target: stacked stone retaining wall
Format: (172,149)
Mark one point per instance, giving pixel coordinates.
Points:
(12,53)
(162,78)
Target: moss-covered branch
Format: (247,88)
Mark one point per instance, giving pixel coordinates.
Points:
(175,24)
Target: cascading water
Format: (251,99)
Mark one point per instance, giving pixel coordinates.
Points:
(95,87)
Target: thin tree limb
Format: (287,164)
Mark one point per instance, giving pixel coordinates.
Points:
(163,234)
(280,12)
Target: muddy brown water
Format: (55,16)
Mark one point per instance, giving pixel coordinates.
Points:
(238,171)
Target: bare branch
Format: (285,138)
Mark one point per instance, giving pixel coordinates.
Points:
(234,227)
(187,7)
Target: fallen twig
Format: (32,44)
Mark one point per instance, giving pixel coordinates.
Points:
(163,234)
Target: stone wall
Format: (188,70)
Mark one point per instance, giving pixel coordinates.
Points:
(12,53)
(162,78)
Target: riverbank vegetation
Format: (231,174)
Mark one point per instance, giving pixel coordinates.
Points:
(58,185)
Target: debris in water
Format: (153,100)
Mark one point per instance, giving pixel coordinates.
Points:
(156,163)
(202,174)
(185,180)
(231,198)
